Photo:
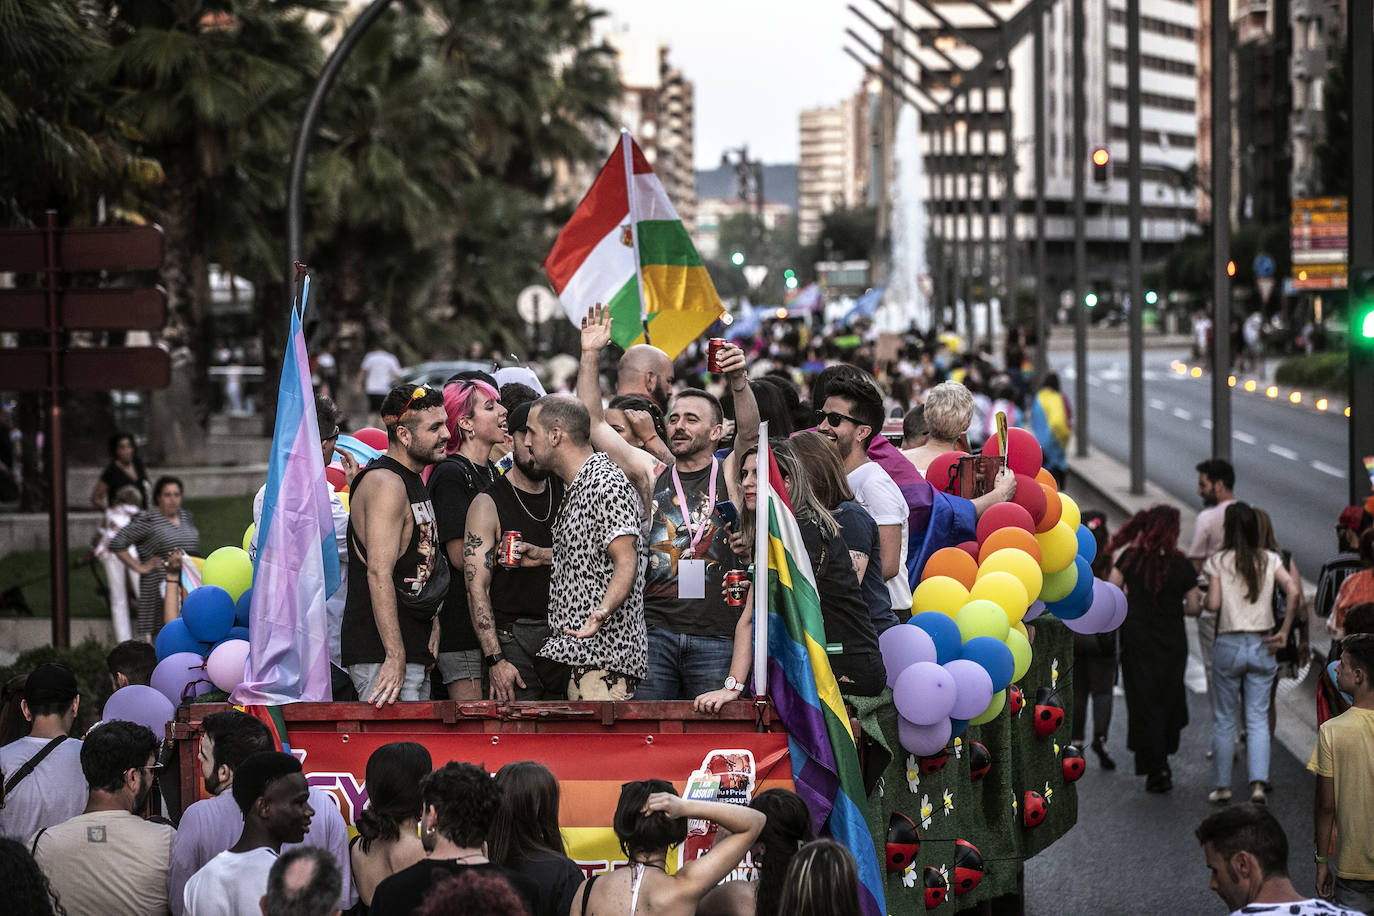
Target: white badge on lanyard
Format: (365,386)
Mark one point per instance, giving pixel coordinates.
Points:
(691,572)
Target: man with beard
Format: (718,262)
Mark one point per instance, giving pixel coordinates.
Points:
(510,604)
(1216,481)
(645,370)
(108,859)
(272,793)
(399,575)
(211,825)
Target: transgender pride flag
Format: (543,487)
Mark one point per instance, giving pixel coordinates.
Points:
(298,563)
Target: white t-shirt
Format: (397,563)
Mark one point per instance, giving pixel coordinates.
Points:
(54,792)
(380,372)
(1309,907)
(107,862)
(230,884)
(875,490)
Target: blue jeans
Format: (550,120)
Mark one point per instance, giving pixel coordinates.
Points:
(1241,659)
(682,667)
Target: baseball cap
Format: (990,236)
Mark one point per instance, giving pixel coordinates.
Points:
(518,420)
(50,683)
(521,374)
(1352,517)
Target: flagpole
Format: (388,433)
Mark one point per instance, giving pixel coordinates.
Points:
(627,153)
(764,493)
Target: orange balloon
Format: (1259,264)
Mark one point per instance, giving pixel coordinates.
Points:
(954,563)
(1044,476)
(1053,509)
(1019,538)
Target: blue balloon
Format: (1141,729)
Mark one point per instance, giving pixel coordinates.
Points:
(174,638)
(995,658)
(1087,544)
(237,633)
(241,608)
(943,631)
(209,613)
(1075,604)
(957,727)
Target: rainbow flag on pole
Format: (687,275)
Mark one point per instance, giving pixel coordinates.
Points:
(625,247)
(297,566)
(825,762)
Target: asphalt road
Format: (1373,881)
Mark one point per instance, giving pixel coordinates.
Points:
(1289,460)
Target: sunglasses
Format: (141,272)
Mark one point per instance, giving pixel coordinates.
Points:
(835,419)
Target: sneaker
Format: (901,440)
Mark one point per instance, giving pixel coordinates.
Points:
(1219,796)
(1257,794)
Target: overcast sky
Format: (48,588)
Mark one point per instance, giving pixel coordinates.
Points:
(755,65)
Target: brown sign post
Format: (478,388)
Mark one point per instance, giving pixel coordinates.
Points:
(52,251)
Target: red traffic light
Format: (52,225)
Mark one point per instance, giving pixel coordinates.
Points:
(1230,268)
(1100,156)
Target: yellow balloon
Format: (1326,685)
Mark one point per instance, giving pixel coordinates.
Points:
(940,593)
(999,700)
(1004,590)
(230,569)
(1017,562)
(1070,515)
(1058,547)
(1019,626)
(1020,653)
(248,533)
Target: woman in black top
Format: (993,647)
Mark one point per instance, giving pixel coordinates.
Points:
(125,469)
(524,836)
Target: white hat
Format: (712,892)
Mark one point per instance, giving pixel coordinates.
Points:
(522,374)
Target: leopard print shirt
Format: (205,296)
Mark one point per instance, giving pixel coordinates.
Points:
(600,505)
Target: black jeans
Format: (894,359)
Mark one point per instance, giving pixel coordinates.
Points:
(520,644)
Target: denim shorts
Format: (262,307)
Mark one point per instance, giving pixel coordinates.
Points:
(363,675)
(464,665)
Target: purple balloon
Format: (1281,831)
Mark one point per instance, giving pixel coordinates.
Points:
(973,686)
(902,647)
(1035,610)
(1119,614)
(923,740)
(142,704)
(924,693)
(1093,620)
(176,672)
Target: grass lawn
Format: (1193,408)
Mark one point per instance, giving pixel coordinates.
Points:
(221,522)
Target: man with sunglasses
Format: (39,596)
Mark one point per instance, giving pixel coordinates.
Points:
(400,575)
(108,859)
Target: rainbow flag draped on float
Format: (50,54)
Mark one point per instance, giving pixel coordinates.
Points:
(297,565)
(626,248)
(825,762)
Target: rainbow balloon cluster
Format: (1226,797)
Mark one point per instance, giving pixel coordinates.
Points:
(206,647)
(967,641)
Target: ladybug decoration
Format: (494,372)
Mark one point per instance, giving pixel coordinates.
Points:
(903,842)
(935,762)
(937,888)
(1049,712)
(979,761)
(1033,808)
(1016,700)
(968,867)
(1072,761)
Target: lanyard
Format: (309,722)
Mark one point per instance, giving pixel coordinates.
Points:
(687,513)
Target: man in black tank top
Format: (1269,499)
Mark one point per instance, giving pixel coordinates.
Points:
(510,605)
(399,573)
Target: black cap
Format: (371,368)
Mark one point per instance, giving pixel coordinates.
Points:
(50,683)
(518,420)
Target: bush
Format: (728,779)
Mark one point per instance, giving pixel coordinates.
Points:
(1320,370)
(87,662)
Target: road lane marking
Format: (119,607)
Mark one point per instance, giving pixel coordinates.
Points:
(1182,414)
(1244,437)
(1328,469)
(1283,452)
(1207,424)
(1156,404)
(1115,389)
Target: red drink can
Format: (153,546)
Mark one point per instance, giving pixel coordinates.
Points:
(713,353)
(736,587)
(509,541)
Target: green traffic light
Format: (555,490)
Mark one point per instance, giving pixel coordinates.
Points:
(789,273)
(1367,325)
(791,282)
(1090,300)
(737,258)
(1151,297)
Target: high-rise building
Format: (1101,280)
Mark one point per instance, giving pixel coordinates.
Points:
(1318,42)
(832,170)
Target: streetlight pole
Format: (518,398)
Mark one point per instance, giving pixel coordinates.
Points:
(1137,327)
(1042,322)
(1221,226)
(1360,256)
(1080,248)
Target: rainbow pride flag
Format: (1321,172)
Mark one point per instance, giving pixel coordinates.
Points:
(825,762)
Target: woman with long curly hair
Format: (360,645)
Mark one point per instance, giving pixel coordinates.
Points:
(1161,587)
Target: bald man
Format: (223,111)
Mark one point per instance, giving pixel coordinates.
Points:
(646,370)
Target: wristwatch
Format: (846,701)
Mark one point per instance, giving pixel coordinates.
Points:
(1318,857)
(732,684)
(494,660)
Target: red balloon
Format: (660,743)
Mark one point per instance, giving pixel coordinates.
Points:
(1004,515)
(372,436)
(336,478)
(1030,496)
(970,548)
(940,470)
(1024,452)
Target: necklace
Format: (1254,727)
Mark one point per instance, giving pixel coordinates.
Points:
(548,493)
(661,866)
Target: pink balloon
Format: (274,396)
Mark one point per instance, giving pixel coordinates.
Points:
(225,664)
(923,740)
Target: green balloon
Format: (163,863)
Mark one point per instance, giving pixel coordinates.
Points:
(1020,653)
(1058,585)
(982,617)
(999,700)
(230,569)
(248,533)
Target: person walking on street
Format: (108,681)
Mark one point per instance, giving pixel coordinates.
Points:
(1216,482)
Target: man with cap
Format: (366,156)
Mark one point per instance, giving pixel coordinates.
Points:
(1350,525)
(43,782)
(510,604)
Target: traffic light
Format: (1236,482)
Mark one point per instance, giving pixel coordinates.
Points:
(791,282)
(1362,309)
(1090,300)
(1151,297)
(1100,159)
(1230,268)
(737,258)
(789,273)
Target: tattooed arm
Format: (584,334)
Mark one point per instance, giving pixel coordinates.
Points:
(479,558)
